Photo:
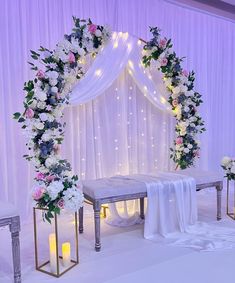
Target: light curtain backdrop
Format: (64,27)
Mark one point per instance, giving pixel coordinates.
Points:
(96,130)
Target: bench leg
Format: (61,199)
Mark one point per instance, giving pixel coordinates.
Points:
(142,208)
(80,220)
(219,189)
(14,229)
(97,225)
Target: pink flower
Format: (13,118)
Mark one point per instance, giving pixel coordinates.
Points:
(60,203)
(40,176)
(163,62)
(72,58)
(197,153)
(57,148)
(38,193)
(162,43)
(92,28)
(185,73)
(40,74)
(175,102)
(57,95)
(179,140)
(29,113)
(50,178)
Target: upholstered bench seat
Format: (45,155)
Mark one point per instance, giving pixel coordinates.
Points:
(114,189)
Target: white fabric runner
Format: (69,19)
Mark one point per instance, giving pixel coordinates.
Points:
(171,215)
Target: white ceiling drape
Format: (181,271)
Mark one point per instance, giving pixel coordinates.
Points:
(122,51)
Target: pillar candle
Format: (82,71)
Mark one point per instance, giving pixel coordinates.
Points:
(66,254)
(52,246)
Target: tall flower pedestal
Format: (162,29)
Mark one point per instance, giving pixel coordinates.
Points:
(59,246)
(230,204)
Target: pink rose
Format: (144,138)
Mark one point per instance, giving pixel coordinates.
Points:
(38,193)
(162,43)
(175,102)
(92,28)
(179,140)
(40,176)
(57,148)
(163,62)
(29,113)
(60,203)
(50,178)
(72,58)
(40,74)
(185,73)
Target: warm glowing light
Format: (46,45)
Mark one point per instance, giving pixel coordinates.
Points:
(66,254)
(131,88)
(98,72)
(154,92)
(115,45)
(139,42)
(129,71)
(150,77)
(120,33)
(145,88)
(128,46)
(52,247)
(114,35)
(130,63)
(125,35)
(163,100)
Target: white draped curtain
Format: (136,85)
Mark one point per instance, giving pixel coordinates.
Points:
(121,131)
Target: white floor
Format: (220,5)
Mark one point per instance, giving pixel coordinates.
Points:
(127,257)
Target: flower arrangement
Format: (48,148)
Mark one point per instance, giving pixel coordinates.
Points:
(228,164)
(46,95)
(183,99)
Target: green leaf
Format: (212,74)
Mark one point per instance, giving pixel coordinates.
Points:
(16,115)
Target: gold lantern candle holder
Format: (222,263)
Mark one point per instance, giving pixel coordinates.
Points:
(230,213)
(60,260)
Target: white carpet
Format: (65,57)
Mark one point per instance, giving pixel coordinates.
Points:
(127,257)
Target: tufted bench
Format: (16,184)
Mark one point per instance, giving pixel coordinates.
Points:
(113,189)
(9,216)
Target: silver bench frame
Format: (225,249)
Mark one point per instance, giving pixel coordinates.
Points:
(98,202)
(14,225)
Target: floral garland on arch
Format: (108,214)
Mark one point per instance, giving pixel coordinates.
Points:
(182,98)
(46,95)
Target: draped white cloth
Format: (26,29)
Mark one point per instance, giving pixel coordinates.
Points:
(171,214)
(122,51)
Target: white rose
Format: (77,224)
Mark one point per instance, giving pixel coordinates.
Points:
(98,32)
(226,161)
(186,150)
(53,82)
(52,75)
(190,146)
(54,189)
(41,105)
(50,161)
(81,51)
(57,113)
(33,104)
(50,118)
(39,125)
(183,88)
(233,169)
(54,89)
(46,137)
(43,117)
(186,109)
(176,90)
(42,96)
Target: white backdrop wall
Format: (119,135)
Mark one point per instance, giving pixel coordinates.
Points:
(99,133)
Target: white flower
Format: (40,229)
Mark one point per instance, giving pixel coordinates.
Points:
(41,104)
(41,95)
(50,161)
(186,150)
(33,104)
(190,146)
(186,109)
(52,75)
(233,169)
(98,32)
(73,198)
(58,112)
(81,51)
(226,161)
(176,90)
(54,189)
(54,89)
(74,45)
(43,117)
(53,82)
(183,88)
(38,125)
(189,93)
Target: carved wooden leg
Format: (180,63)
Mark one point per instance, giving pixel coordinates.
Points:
(80,220)
(15,228)
(142,208)
(97,225)
(219,189)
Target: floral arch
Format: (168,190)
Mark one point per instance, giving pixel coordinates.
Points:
(47,94)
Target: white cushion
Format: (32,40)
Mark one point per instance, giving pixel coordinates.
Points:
(7,210)
(112,187)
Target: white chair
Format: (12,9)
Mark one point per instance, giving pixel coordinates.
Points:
(9,216)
